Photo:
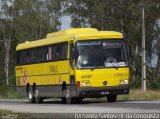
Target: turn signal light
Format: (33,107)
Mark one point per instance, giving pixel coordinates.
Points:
(78,83)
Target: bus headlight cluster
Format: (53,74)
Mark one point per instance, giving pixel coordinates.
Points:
(85,83)
(123,81)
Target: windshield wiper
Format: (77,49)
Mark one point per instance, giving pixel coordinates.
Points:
(95,67)
(116,67)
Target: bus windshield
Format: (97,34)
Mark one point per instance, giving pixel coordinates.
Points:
(104,53)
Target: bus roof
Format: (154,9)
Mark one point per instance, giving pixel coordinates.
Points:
(70,34)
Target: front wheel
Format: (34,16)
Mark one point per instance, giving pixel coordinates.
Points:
(78,100)
(111,98)
(68,98)
(63,99)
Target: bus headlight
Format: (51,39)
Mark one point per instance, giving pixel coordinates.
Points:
(85,83)
(82,83)
(123,81)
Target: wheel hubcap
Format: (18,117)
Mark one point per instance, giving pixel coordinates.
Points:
(36,93)
(67,94)
(30,95)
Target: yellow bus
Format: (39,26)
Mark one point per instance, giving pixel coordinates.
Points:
(72,65)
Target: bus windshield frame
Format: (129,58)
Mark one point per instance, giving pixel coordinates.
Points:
(94,54)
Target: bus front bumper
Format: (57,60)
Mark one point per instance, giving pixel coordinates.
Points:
(102,91)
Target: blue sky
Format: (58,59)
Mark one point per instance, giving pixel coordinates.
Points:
(66,20)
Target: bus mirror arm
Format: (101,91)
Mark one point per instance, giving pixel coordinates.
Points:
(75,53)
(128,51)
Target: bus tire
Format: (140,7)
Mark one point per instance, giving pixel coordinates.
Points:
(78,100)
(63,99)
(38,99)
(111,98)
(30,95)
(69,99)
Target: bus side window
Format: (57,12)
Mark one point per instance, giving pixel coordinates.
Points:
(38,54)
(35,55)
(58,51)
(49,52)
(27,56)
(54,52)
(23,57)
(43,54)
(46,54)
(64,51)
(17,58)
(21,60)
(32,56)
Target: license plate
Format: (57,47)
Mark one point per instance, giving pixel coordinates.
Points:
(104,93)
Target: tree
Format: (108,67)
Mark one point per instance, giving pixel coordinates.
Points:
(25,20)
(7,13)
(123,16)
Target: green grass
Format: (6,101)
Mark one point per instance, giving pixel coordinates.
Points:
(135,94)
(9,93)
(138,94)
(15,115)
(8,114)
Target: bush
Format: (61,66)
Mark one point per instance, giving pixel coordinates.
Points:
(151,84)
(154,84)
(136,83)
(8,91)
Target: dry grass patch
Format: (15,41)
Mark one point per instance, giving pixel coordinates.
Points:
(138,94)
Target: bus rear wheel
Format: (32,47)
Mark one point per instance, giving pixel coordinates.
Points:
(31,97)
(111,98)
(38,99)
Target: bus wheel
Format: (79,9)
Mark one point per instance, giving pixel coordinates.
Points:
(63,99)
(111,98)
(30,95)
(69,99)
(78,100)
(38,99)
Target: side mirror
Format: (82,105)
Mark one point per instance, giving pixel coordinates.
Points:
(128,51)
(75,53)
(72,55)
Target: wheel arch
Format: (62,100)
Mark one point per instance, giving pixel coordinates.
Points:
(64,85)
(27,87)
(34,86)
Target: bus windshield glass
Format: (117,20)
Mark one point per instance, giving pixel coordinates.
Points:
(104,53)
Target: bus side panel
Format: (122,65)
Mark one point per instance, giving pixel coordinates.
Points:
(48,77)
